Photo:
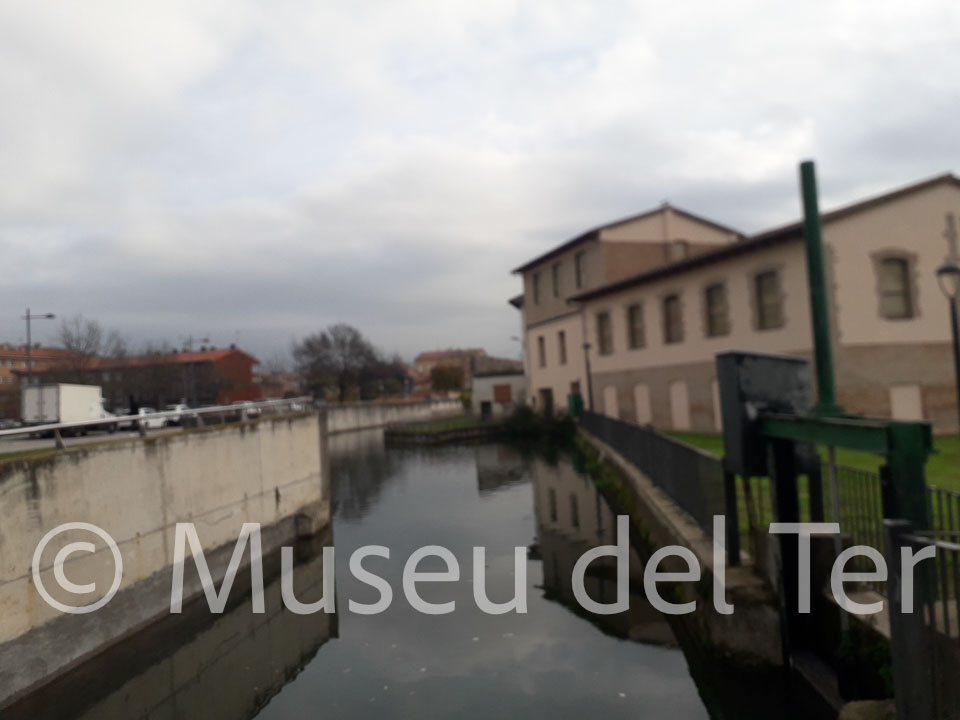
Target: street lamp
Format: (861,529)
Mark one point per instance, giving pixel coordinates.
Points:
(28,317)
(948,276)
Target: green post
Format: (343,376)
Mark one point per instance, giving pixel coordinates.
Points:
(905,494)
(827,398)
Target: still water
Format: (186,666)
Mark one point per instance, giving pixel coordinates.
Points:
(555,661)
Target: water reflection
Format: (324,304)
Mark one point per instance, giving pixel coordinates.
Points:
(499,466)
(198,665)
(359,465)
(549,662)
(572,517)
(554,661)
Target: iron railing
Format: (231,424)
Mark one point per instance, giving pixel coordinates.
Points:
(693,478)
(928,638)
(241,410)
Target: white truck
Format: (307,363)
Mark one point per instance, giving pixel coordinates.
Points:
(64,403)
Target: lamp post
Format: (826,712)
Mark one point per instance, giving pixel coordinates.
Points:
(28,317)
(948,276)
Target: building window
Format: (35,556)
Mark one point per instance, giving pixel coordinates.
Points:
(604,334)
(552,498)
(574,511)
(542,351)
(672,319)
(635,329)
(896,302)
(555,277)
(715,306)
(536,288)
(769,300)
(578,263)
(562,346)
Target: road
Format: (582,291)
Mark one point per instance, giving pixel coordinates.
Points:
(23,443)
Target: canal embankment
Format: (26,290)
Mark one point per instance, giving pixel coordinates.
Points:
(344,417)
(748,636)
(266,471)
(452,430)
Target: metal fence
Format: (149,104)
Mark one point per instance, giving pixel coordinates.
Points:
(692,477)
(213,414)
(926,642)
(860,501)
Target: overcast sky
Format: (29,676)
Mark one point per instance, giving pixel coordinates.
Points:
(252,171)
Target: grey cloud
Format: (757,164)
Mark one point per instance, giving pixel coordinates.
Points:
(271,170)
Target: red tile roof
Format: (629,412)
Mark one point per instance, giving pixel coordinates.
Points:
(180,358)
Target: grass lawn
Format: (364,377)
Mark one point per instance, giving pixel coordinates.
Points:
(943,467)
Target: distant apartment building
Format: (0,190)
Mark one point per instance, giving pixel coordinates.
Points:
(553,322)
(654,333)
(426,362)
(14,365)
(463,363)
(199,377)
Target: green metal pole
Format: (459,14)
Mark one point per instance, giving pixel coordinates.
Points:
(819,316)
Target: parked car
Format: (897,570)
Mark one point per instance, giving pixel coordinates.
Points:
(180,409)
(148,423)
(248,408)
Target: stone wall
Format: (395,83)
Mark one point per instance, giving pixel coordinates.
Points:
(364,415)
(864,378)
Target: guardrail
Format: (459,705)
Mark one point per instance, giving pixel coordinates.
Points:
(694,478)
(139,422)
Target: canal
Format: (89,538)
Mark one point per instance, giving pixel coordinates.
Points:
(554,661)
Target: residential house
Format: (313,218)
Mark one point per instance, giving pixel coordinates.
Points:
(498,392)
(553,324)
(655,333)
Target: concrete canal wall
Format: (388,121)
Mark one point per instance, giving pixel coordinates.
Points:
(168,670)
(266,471)
(363,416)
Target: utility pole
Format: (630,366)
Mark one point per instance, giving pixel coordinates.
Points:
(28,317)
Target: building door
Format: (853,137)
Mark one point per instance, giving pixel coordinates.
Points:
(679,405)
(546,401)
(610,405)
(641,404)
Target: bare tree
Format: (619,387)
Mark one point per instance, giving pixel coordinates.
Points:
(339,357)
(278,362)
(85,341)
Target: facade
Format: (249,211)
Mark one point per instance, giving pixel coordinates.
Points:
(654,335)
(466,363)
(13,365)
(425,363)
(198,377)
(496,394)
(553,322)
(201,377)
